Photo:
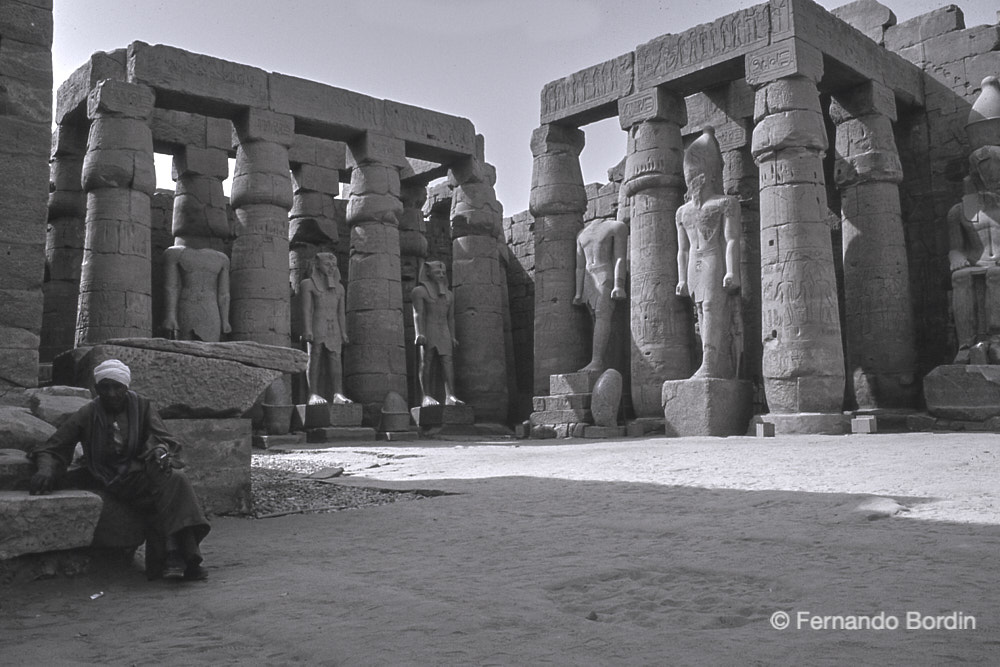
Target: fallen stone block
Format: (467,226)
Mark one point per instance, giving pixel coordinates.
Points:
(19,429)
(53,522)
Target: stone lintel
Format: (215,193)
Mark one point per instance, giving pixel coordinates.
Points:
(120,99)
(318,152)
(261,125)
(590,94)
(380,148)
(867,99)
(326,111)
(429,135)
(186,81)
(652,104)
(674,56)
(789,57)
(73,92)
(180,128)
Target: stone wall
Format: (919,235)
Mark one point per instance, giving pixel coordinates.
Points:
(25,125)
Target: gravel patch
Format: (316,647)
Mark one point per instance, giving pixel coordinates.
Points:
(281,485)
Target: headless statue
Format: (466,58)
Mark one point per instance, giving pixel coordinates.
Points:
(324,329)
(601,249)
(197,291)
(974,258)
(434,326)
(708,258)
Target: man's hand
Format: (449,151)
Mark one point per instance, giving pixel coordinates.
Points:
(682,288)
(420,340)
(41,483)
(161,457)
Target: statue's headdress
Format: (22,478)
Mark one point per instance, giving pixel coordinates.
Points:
(703,156)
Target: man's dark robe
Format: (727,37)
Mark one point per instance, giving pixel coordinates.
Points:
(164,498)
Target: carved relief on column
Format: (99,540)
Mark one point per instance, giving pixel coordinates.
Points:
(118,177)
(558,201)
(803,362)
(412,253)
(653,186)
(64,241)
(478,285)
(261,198)
(881,353)
(375,361)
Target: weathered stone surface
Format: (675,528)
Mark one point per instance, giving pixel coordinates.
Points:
(35,524)
(19,429)
(959,391)
(561,402)
(573,383)
(183,385)
(437,415)
(606,398)
(326,414)
(343,434)
(273,357)
(923,27)
(561,417)
(706,406)
(821,423)
(580,97)
(217,453)
(603,432)
(56,409)
(15,469)
(868,16)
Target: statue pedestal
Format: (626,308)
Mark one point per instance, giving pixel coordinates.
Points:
(432,416)
(706,406)
(326,414)
(967,392)
(815,423)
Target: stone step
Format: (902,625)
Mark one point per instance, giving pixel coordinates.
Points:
(561,417)
(561,402)
(573,383)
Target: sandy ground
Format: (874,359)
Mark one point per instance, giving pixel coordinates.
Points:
(633,552)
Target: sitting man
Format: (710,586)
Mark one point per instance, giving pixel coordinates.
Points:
(128,453)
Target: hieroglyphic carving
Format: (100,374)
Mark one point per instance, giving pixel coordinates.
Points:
(587,89)
(670,56)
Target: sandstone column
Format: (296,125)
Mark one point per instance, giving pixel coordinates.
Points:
(261,197)
(115,291)
(199,201)
(64,240)
(412,253)
(803,362)
(558,201)
(478,284)
(375,362)
(881,354)
(661,322)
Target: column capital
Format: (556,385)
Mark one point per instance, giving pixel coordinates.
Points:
(789,57)
(653,104)
(263,125)
(552,138)
(869,98)
(372,147)
(119,99)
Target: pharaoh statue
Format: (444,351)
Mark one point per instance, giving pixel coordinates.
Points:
(708,258)
(974,237)
(434,326)
(196,279)
(601,251)
(324,329)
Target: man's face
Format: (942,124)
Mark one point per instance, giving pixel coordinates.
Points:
(437,272)
(112,395)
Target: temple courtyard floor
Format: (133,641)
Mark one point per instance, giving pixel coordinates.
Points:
(798,550)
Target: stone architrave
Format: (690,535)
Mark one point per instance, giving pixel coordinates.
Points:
(477,282)
(375,362)
(653,185)
(558,201)
(880,347)
(118,176)
(803,363)
(261,197)
(64,241)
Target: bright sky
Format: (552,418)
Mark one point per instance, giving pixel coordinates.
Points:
(485,60)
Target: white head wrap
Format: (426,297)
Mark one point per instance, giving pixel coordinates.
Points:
(112,369)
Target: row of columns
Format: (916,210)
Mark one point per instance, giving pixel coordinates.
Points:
(803,355)
(115,177)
